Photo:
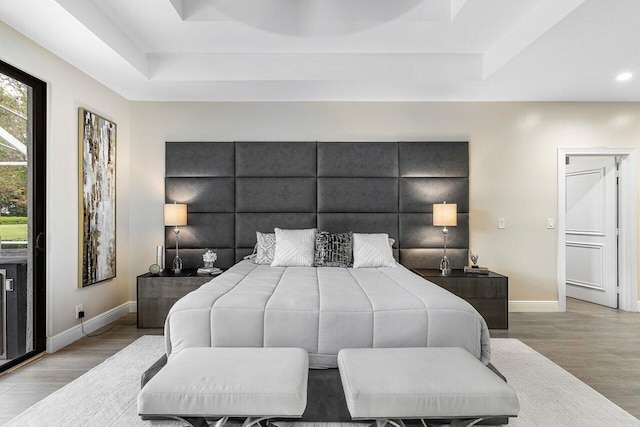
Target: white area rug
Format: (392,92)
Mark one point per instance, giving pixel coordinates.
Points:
(106,395)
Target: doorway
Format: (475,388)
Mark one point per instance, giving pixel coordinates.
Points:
(22,216)
(597,227)
(592,229)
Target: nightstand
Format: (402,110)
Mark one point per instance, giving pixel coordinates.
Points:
(489,294)
(158,293)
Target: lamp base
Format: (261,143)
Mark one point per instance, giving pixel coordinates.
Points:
(445,267)
(177,265)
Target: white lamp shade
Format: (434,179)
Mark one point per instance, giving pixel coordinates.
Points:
(175,214)
(445,215)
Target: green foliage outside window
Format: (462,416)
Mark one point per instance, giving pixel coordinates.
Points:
(13,179)
(13,220)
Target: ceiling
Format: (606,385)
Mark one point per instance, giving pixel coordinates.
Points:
(344,50)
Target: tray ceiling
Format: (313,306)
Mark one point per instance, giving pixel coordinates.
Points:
(344,50)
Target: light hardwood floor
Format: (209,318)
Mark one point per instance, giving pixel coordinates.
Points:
(600,346)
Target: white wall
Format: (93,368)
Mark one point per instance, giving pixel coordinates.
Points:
(513,149)
(68,89)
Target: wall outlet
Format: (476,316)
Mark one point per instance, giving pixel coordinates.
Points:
(79,308)
(551,223)
(502,223)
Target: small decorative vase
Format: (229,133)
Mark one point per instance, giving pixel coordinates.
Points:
(209,257)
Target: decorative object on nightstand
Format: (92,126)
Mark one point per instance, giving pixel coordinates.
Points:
(160,256)
(154,269)
(469,269)
(474,268)
(474,258)
(209,257)
(211,271)
(445,215)
(175,215)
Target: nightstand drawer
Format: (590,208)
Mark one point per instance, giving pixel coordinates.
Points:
(165,287)
(489,294)
(472,287)
(157,294)
(152,312)
(494,311)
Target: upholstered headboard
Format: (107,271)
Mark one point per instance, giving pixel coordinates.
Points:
(234,189)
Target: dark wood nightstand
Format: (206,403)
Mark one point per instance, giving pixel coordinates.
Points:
(489,294)
(158,293)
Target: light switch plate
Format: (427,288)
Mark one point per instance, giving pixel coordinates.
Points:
(551,223)
(502,223)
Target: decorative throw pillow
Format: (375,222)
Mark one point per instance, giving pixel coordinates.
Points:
(265,248)
(294,248)
(372,250)
(334,250)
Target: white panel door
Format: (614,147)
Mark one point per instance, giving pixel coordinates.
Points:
(591,240)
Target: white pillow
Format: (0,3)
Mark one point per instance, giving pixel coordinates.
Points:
(372,250)
(294,248)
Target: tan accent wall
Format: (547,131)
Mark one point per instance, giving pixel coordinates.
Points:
(513,154)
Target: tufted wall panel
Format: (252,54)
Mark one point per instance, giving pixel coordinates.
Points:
(235,189)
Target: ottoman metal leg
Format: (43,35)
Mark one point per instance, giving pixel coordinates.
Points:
(467,423)
(460,423)
(201,422)
(195,421)
(250,421)
(382,422)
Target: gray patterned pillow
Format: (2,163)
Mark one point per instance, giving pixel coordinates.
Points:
(333,250)
(266,247)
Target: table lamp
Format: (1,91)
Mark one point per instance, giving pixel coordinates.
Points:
(175,214)
(445,215)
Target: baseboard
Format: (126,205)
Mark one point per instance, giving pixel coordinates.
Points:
(73,334)
(533,306)
(537,306)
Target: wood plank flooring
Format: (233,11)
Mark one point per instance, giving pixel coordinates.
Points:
(600,346)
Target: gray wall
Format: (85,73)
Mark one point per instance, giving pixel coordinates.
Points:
(234,189)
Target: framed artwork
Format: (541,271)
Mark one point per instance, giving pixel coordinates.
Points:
(97,190)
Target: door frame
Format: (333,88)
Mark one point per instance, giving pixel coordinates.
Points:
(627,222)
(39,179)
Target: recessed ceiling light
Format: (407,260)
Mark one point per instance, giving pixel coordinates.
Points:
(622,77)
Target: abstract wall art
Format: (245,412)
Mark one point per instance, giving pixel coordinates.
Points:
(97,201)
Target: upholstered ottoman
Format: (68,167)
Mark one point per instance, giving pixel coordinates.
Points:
(218,383)
(383,384)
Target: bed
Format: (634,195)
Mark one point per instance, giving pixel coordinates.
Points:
(235,189)
(323,310)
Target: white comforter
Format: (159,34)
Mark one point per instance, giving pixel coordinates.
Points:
(323,310)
